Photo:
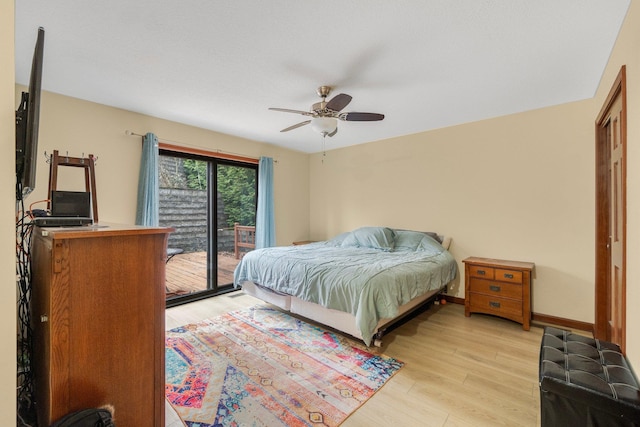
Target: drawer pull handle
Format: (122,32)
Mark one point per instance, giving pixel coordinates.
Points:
(508,276)
(481,272)
(494,304)
(494,288)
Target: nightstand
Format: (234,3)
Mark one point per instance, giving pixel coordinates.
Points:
(498,287)
(303,242)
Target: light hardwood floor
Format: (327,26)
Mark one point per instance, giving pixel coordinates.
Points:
(459,371)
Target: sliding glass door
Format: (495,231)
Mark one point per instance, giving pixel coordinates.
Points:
(211,203)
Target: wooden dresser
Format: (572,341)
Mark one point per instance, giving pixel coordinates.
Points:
(498,287)
(98,321)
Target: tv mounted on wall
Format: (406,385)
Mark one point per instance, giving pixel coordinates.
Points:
(27,122)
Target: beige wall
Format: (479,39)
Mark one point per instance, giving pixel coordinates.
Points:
(516,187)
(79,128)
(7,215)
(627,52)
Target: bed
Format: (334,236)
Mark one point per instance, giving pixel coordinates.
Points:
(359,282)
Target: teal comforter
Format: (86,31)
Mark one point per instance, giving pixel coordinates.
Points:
(370,283)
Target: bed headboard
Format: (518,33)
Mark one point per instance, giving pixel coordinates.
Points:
(446,241)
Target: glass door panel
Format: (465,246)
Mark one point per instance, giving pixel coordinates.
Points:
(236,217)
(184,206)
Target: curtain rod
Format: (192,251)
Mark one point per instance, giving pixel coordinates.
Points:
(217,150)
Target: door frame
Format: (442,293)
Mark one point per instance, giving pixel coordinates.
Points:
(603,197)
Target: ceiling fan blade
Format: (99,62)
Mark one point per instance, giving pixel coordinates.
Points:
(361,117)
(338,102)
(286,110)
(306,122)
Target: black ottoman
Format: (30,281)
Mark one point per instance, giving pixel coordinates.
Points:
(585,382)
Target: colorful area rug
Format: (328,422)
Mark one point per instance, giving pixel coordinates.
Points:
(262,367)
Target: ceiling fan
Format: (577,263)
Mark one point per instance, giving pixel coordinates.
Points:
(325,114)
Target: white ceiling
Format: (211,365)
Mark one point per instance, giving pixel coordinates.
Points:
(220,64)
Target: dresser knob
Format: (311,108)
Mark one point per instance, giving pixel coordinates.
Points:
(494,304)
(494,288)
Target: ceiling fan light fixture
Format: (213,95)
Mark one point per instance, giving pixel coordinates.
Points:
(324,125)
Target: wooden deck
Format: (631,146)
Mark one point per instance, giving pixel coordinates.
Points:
(187,272)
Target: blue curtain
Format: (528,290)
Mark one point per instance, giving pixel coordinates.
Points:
(148,190)
(265,221)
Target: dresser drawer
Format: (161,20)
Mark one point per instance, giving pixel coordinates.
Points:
(495,288)
(481,271)
(495,305)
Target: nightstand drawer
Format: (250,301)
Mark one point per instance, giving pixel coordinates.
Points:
(481,271)
(495,288)
(495,305)
(512,276)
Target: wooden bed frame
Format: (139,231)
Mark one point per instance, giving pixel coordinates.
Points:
(340,320)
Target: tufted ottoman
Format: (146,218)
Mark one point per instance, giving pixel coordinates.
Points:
(585,382)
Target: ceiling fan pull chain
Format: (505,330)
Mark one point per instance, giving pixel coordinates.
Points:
(324,151)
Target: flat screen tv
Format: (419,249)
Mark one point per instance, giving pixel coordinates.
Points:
(27,121)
